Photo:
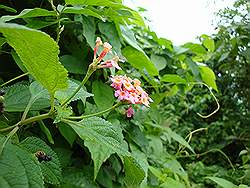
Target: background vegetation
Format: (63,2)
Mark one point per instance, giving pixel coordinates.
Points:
(195,133)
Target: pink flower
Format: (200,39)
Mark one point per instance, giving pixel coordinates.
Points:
(122,95)
(109,64)
(106,48)
(98,43)
(130,112)
(128,92)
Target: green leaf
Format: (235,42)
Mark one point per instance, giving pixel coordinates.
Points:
(83,11)
(172,183)
(39,54)
(139,60)
(9,9)
(88,26)
(51,170)
(134,173)
(193,67)
(208,77)
(129,37)
(38,92)
(175,167)
(195,48)
(173,78)
(67,132)
(159,61)
(17,98)
(2,41)
(62,112)
(103,95)
(72,64)
(78,178)
(222,182)
(29,13)
(46,131)
(178,138)
(18,61)
(208,42)
(19,169)
(108,29)
(62,95)
(110,3)
(101,138)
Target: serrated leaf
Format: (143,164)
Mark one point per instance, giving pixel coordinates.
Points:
(19,169)
(78,178)
(139,60)
(222,182)
(103,95)
(62,95)
(39,54)
(51,170)
(208,76)
(173,78)
(62,112)
(134,173)
(101,138)
(29,13)
(17,98)
(37,91)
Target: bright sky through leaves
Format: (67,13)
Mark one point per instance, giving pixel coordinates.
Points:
(180,20)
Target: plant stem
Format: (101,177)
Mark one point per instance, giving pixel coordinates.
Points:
(35,118)
(85,79)
(13,79)
(8,138)
(95,114)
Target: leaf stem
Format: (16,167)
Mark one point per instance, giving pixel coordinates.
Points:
(13,79)
(95,114)
(8,138)
(91,69)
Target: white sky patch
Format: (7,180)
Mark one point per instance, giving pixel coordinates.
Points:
(180,20)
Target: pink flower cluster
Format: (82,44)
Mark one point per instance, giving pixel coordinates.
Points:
(130,90)
(106,49)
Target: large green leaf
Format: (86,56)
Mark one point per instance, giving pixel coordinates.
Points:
(29,13)
(173,78)
(51,170)
(134,173)
(139,60)
(19,169)
(159,61)
(222,182)
(129,37)
(172,183)
(62,95)
(72,64)
(67,132)
(78,178)
(109,30)
(39,54)
(101,138)
(208,42)
(208,76)
(103,95)
(89,28)
(109,3)
(18,96)
(83,11)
